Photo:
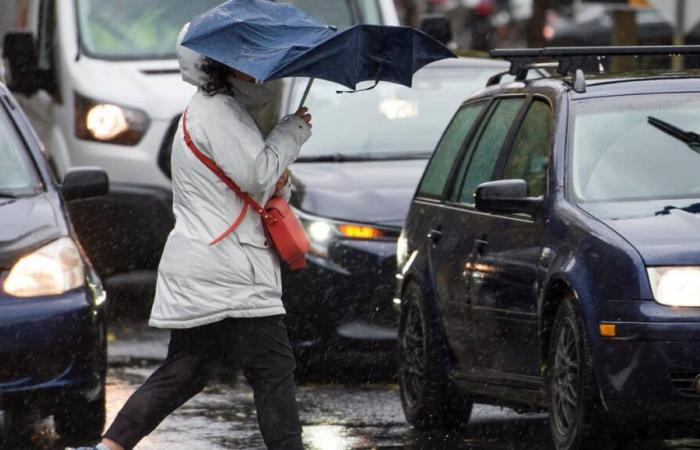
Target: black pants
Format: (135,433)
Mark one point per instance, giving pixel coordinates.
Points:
(259,345)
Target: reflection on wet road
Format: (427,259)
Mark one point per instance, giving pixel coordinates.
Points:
(335,417)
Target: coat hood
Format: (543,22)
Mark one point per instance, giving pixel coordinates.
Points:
(190,62)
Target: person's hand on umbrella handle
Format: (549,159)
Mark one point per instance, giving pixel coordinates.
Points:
(303,113)
(282,182)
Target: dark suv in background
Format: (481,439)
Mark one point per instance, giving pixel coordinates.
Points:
(550,258)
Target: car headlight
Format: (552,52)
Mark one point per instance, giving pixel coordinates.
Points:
(322,232)
(51,270)
(109,123)
(675,286)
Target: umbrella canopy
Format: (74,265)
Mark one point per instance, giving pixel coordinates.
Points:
(268,40)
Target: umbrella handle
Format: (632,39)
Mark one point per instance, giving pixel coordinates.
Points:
(306,92)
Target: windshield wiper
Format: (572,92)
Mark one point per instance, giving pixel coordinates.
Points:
(374,156)
(692,208)
(334,157)
(7,194)
(691,139)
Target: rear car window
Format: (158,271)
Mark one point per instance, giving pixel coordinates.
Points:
(17,175)
(433,183)
(481,159)
(529,156)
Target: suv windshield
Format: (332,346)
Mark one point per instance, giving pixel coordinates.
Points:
(389,120)
(17,176)
(148,29)
(636,155)
(135,29)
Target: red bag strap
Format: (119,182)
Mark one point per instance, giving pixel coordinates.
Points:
(211,165)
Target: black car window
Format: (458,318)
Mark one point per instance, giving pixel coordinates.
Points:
(481,158)
(443,159)
(17,176)
(529,155)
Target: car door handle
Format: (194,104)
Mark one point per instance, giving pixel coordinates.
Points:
(435,236)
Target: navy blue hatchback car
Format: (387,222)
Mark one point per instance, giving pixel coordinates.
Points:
(551,255)
(52,331)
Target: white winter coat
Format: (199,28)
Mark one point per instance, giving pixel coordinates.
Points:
(197,283)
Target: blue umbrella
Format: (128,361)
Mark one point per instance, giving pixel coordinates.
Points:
(268,40)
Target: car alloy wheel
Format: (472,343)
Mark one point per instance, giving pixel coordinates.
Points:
(412,365)
(428,396)
(565,379)
(574,403)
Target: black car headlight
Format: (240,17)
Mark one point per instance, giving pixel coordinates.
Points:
(323,232)
(109,123)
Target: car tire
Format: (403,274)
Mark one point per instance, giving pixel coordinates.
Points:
(80,420)
(571,387)
(429,398)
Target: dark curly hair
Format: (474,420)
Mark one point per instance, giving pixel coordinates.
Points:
(217,74)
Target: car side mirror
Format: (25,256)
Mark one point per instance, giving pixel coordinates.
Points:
(25,75)
(505,196)
(84,182)
(438,26)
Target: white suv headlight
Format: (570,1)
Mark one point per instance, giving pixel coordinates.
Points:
(675,286)
(52,270)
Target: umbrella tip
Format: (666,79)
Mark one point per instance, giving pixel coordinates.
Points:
(333,27)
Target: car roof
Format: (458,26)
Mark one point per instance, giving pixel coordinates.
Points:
(608,84)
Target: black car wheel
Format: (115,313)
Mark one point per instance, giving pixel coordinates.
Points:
(429,398)
(81,421)
(571,382)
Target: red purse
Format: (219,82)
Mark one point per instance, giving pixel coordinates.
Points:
(281,224)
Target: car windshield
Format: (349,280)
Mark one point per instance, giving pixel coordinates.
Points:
(389,120)
(341,13)
(17,176)
(636,155)
(135,29)
(148,29)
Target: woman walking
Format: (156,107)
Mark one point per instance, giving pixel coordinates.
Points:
(222,299)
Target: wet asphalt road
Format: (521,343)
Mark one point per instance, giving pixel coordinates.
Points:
(335,416)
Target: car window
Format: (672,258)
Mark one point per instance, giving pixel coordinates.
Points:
(529,155)
(433,183)
(481,158)
(17,176)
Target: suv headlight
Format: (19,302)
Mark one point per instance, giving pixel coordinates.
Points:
(322,232)
(51,270)
(675,286)
(109,123)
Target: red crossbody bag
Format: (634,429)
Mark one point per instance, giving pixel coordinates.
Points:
(281,224)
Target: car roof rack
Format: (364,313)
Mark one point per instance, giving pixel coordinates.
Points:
(572,60)
(541,68)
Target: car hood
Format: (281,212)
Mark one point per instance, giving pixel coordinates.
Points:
(377,192)
(155,87)
(26,223)
(664,239)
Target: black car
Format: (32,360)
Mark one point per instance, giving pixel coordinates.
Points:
(52,331)
(353,185)
(550,258)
